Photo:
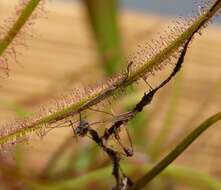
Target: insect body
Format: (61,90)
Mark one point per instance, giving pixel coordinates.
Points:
(115,129)
(126,182)
(82,128)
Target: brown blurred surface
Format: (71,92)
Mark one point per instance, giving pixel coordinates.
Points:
(63,53)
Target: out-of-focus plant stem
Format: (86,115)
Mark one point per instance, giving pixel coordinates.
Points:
(182,174)
(168,159)
(19,110)
(103,19)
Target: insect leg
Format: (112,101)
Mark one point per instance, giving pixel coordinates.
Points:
(127,72)
(101,111)
(128,67)
(131,150)
(128,152)
(74,131)
(145,80)
(113,155)
(80,116)
(116,165)
(126,182)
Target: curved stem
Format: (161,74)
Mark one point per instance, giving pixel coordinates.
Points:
(158,168)
(178,173)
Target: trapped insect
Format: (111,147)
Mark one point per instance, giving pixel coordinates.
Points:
(84,129)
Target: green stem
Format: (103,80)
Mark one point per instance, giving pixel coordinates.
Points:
(19,110)
(103,19)
(17,26)
(57,156)
(158,168)
(182,174)
(192,177)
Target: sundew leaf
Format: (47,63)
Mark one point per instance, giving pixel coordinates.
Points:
(14,27)
(149,59)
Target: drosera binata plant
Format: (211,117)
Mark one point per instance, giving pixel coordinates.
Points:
(152,57)
(162,53)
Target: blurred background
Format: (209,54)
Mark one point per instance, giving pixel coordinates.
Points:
(77,43)
(166,7)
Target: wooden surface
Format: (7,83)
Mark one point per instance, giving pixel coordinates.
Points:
(63,53)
